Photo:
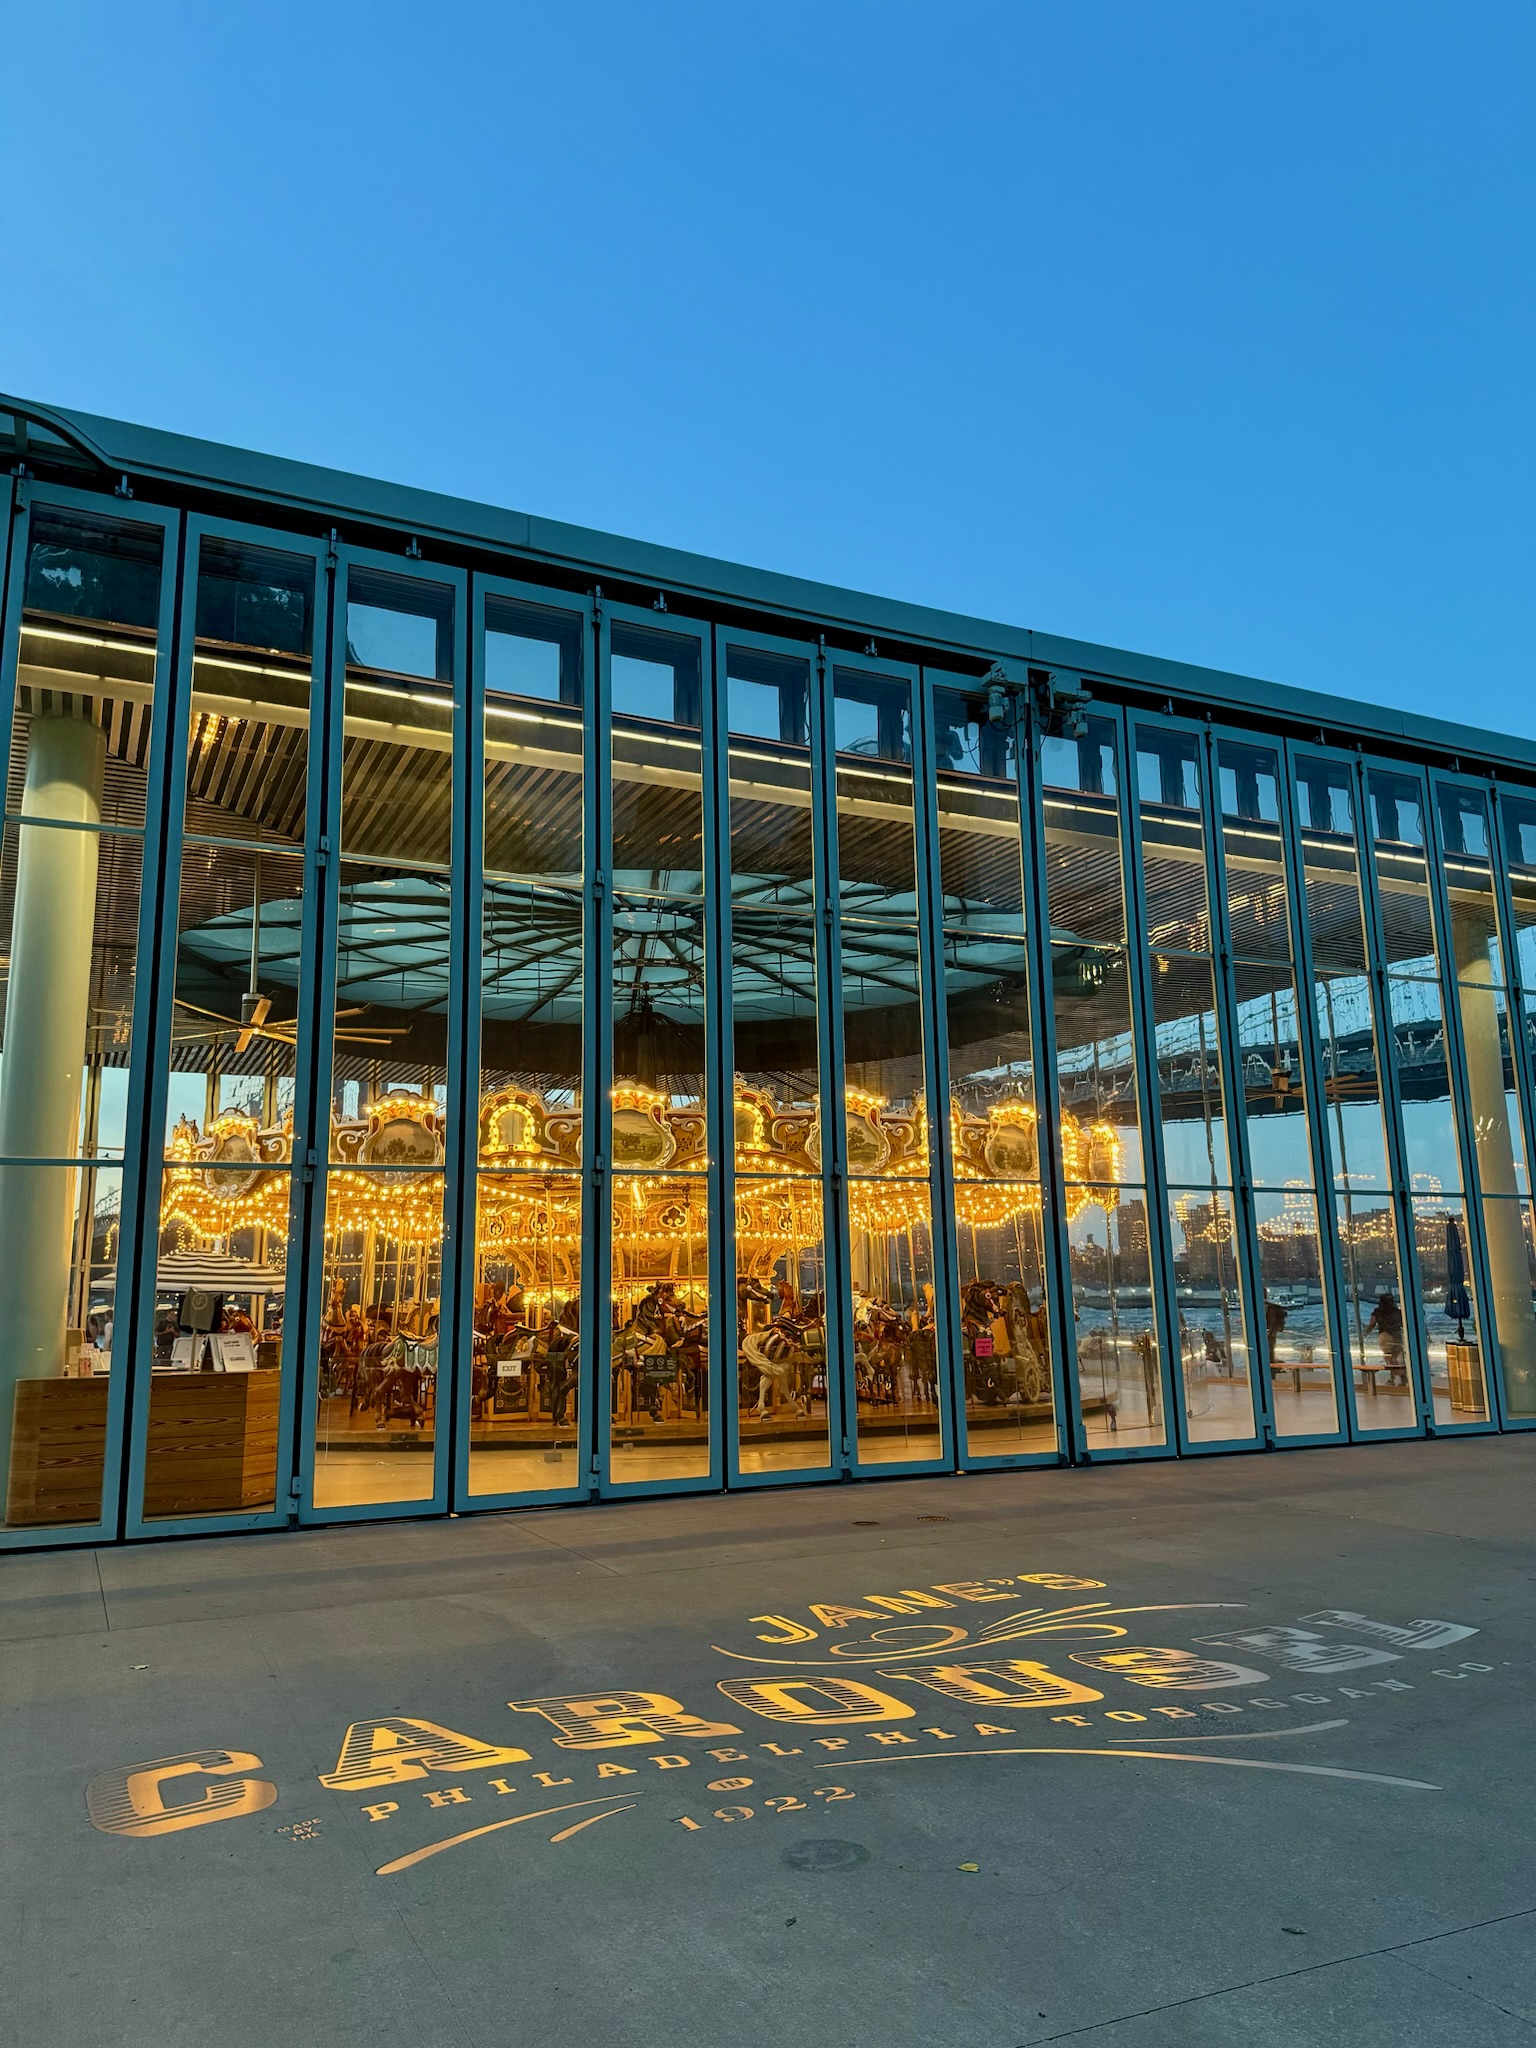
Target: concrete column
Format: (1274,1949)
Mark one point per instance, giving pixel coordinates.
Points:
(1514,1316)
(47,1012)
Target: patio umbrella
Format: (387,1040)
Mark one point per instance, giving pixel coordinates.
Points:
(1458,1303)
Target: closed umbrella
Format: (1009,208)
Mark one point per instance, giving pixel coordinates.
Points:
(1458,1303)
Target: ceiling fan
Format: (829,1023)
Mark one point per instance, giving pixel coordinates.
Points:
(252,1023)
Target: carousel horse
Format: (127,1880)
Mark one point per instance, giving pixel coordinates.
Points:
(781,1358)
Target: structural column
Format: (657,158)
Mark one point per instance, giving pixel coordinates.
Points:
(47,1015)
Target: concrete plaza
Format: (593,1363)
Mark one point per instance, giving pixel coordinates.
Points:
(1224,1752)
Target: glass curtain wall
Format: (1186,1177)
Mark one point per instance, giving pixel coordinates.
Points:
(88,666)
(1354,1110)
(222,1320)
(1517,815)
(386,1216)
(659,1427)
(783,1396)
(526,1392)
(1103,1161)
(1197,1159)
(1004,1319)
(1274,1092)
(1450,1313)
(889,1300)
(1481,957)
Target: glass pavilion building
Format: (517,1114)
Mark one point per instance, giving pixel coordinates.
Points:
(496,1014)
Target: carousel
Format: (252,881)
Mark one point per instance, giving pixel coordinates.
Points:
(227,1187)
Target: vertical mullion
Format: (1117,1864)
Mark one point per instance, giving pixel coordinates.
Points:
(597,1063)
(322,863)
(1386,1038)
(942,1250)
(462,1175)
(1224,992)
(837,1256)
(1065,1382)
(1514,996)
(1486,1322)
(1149,1090)
(1332,1273)
(720,1073)
(719,1082)
(941,1166)
(153,1006)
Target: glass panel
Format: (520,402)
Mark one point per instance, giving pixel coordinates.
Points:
(1429,1113)
(1257,902)
(86,670)
(526,1371)
(980,847)
(376,1424)
(58,1280)
(658,1034)
(1084,886)
(894,1353)
(1507,1227)
(768,697)
(1296,1331)
(1004,1324)
(1402,873)
(1172,840)
(530,1030)
(1120,1392)
(69,912)
(883,1052)
(1296,1336)
(1456,1382)
(1096,1065)
(533,751)
(659,1342)
(1353,1109)
(658,762)
(533,650)
(876,832)
(781,1324)
(774,1014)
(397,754)
(389,1085)
(1194,1124)
(240,915)
(248,739)
(1213,1346)
(220,1280)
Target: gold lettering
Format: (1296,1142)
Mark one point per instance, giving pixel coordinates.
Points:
(454,1796)
(818,1702)
(791,1631)
(397,1750)
(971,1589)
(905,1602)
(839,1617)
(607,1770)
(132,1802)
(383,1810)
(619,1720)
(889,1735)
(672,1763)
(1013,1682)
(543,1778)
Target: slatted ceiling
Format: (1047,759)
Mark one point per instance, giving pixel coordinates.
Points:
(879,851)
(397,802)
(657,825)
(245,770)
(980,869)
(769,838)
(1333,921)
(1082,879)
(1406,924)
(1258,907)
(533,819)
(1178,912)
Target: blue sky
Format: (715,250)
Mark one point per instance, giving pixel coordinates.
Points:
(1200,327)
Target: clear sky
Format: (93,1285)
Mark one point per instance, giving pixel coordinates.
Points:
(1199,327)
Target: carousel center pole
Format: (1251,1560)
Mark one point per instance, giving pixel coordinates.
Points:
(47,1013)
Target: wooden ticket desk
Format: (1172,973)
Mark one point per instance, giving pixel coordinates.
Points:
(212,1447)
